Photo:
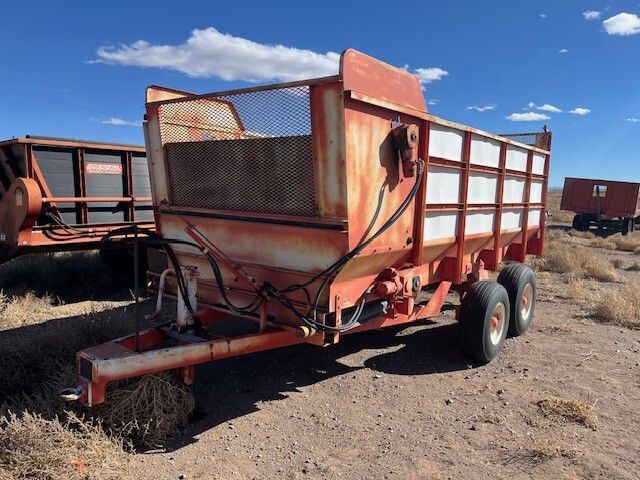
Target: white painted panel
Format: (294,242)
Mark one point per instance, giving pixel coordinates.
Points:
(479,222)
(516,158)
(513,190)
(534,217)
(443,185)
(445,142)
(511,219)
(482,188)
(537,165)
(535,194)
(440,225)
(485,151)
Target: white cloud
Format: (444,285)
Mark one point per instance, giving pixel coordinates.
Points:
(491,106)
(433,101)
(210,53)
(543,15)
(545,108)
(527,117)
(120,122)
(563,50)
(428,75)
(633,120)
(622,24)
(580,111)
(591,15)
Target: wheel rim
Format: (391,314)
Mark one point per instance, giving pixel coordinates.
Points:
(526,302)
(497,323)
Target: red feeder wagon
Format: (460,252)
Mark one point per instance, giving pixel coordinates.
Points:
(604,203)
(305,211)
(58,194)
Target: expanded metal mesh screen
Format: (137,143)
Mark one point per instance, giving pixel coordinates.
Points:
(534,139)
(248,152)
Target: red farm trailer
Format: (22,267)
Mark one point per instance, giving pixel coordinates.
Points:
(59,194)
(305,211)
(604,203)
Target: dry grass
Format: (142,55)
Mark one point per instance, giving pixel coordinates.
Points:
(544,449)
(635,266)
(617,263)
(44,441)
(577,261)
(146,411)
(629,243)
(50,449)
(553,205)
(568,409)
(618,306)
(577,234)
(600,242)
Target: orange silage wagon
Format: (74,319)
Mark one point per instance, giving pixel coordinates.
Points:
(302,212)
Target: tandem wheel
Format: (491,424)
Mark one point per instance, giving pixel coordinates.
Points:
(580,223)
(520,283)
(484,320)
(627,226)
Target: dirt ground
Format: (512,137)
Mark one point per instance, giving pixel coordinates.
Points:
(405,403)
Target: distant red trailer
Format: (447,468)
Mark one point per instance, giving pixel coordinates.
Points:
(605,203)
(58,194)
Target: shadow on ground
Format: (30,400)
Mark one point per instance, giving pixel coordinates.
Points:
(232,388)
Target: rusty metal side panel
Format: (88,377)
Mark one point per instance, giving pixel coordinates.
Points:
(369,76)
(329,151)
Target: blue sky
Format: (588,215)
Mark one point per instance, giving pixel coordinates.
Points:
(74,69)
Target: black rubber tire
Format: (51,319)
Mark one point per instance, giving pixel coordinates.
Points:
(578,224)
(476,310)
(627,226)
(514,278)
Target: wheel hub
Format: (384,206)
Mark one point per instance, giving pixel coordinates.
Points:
(526,302)
(497,323)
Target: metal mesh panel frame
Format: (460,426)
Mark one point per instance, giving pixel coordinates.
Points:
(532,139)
(250,151)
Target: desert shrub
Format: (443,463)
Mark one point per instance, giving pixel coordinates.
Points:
(577,261)
(568,409)
(627,244)
(600,242)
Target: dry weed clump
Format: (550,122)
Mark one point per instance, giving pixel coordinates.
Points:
(32,446)
(544,449)
(568,409)
(620,306)
(600,242)
(145,411)
(617,263)
(578,261)
(635,266)
(627,244)
(578,234)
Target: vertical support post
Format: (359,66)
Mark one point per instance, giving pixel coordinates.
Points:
(127,182)
(500,201)
(525,213)
(136,286)
(462,212)
(417,257)
(84,206)
(545,196)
